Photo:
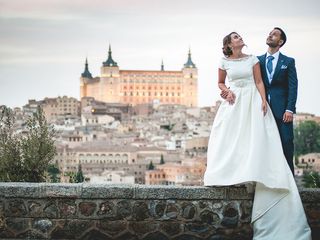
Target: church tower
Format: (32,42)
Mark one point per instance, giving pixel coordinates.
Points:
(85,78)
(190,83)
(109,80)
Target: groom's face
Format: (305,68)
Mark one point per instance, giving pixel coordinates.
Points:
(274,38)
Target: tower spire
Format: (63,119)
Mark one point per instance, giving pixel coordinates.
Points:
(86,72)
(162,66)
(110,62)
(189,63)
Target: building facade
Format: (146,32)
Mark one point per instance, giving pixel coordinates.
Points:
(54,108)
(188,172)
(141,86)
(310,161)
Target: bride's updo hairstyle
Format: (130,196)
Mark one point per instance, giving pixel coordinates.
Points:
(227,51)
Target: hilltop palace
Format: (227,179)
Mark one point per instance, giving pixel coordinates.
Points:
(141,86)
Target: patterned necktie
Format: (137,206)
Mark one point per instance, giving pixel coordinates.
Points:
(269,64)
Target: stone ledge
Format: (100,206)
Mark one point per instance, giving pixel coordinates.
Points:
(125,191)
(92,211)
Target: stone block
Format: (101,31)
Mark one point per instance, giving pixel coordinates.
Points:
(109,191)
(51,210)
(97,235)
(17,225)
(16,208)
(67,208)
(87,208)
(156,235)
(140,211)
(157,208)
(112,227)
(175,192)
(106,210)
(123,209)
(35,208)
(170,228)
(43,225)
(188,210)
(143,227)
(172,210)
(210,217)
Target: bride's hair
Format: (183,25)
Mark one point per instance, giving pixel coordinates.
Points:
(227,51)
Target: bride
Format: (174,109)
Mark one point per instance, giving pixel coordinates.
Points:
(245,147)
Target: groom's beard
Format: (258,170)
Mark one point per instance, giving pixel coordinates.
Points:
(272,44)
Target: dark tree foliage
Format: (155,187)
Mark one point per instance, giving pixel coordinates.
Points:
(307,138)
(25,157)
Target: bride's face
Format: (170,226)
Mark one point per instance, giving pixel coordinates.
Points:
(236,41)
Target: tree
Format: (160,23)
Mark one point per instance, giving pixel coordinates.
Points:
(151,166)
(79,175)
(76,177)
(53,172)
(72,176)
(10,148)
(311,180)
(161,159)
(307,138)
(37,147)
(25,157)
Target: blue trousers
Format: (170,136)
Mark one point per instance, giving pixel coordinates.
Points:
(286,135)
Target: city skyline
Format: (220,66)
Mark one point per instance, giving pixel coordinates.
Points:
(44,44)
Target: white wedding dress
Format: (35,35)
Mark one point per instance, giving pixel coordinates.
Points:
(245,147)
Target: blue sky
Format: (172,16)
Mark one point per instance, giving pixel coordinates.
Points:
(43,44)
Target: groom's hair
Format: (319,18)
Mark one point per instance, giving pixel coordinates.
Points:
(282,35)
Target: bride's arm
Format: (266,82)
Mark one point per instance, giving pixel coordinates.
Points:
(229,95)
(260,86)
(222,80)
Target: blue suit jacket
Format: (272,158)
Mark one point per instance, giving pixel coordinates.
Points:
(283,87)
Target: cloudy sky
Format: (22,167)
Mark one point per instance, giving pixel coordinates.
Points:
(44,43)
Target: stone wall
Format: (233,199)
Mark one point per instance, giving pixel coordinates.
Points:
(87,211)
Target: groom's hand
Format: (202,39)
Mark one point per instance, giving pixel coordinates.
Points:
(287,117)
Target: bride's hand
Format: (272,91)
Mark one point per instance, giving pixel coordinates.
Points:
(231,97)
(264,107)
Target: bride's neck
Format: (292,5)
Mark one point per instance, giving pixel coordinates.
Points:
(237,54)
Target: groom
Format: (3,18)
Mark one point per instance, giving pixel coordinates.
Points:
(280,80)
(281,83)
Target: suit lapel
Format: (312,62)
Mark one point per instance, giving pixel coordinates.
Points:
(278,67)
(263,70)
